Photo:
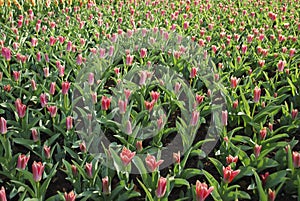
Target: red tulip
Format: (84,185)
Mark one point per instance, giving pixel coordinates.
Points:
(37,170)
(47,151)
(271,195)
(263,133)
(89,169)
(151,163)
(105,102)
(35,135)
(257,149)
(234,82)
(296,159)
(161,187)
(281,65)
(105,185)
(202,191)
(69,123)
(193,72)
(149,105)
(229,174)
(143,52)
(257,92)
(16,75)
(264,178)
(70,196)
(230,159)
(52,88)
(6,53)
(126,156)
(65,87)
(155,95)
(294,113)
(22,161)
(52,110)
(43,100)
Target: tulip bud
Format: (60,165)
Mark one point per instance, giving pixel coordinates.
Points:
(257,92)
(105,185)
(139,146)
(257,149)
(161,187)
(2,194)
(47,151)
(35,135)
(70,196)
(37,170)
(3,126)
(224,117)
(89,169)
(294,113)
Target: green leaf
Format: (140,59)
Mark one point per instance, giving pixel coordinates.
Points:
(143,171)
(262,194)
(275,179)
(266,163)
(217,164)
(190,172)
(149,196)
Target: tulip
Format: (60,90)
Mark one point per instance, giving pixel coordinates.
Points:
(82,147)
(16,75)
(176,157)
(6,53)
(35,135)
(257,92)
(281,65)
(70,196)
(52,88)
(143,52)
(139,145)
(105,102)
(230,159)
(199,99)
(229,174)
(257,149)
(292,52)
(235,104)
(195,118)
(43,100)
(202,191)
(296,159)
(117,71)
(61,70)
(264,178)
(91,79)
(128,128)
(21,108)
(193,72)
(294,113)
(33,84)
(34,42)
(3,126)
(126,156)
(2,194)
(122,106)
(69,123)
(161,187)
(234,82)
(263,133)
(37,170)
(89,169)
(105,185)
(151,163)
(65,87)
(46,72)
(74,170)
(244,49)
(22,161)
(149,105)
(52,110)
(177,87)
(129,60)
(79,59)
(143,77)
(271,195)
(224,117)
(155,95)
(47,151)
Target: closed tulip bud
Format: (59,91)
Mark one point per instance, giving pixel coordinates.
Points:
(127,93)
(91,79)
(1,76)
(37,170)
(235,104)
(21,109)
(43,100)
(2,194)
(70,196)
(128,128)
(22,161)
(161,187)
(193,72)
(177,87)
(94,97)
(105,102)
(69,123)
(224,117)
(89,169)
(257,92)
(234,82)
(74,170)
(139,146)
(122,106)
(16,75)
(33,85)
(264,178)
(176,157)
(143,77)
(3,126)
(296,159)
(47,151)
(82,147)
(35,135)
(105,185)
(281,65)
(52,110)
(195,118)
(294,113)
(257,149)
(271,195)
(52,88)
(65,87)
(263,133)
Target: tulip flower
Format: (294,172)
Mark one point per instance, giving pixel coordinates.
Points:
(16,75)
(128,128)
(271,195)
(22,161)
(263,133)
(143,77)
(89,169)
(37,170)
(70,196)
(2,194)
(21,108)
(65,86)
(230,159)
(74,170)
(257,149)
(294,113)
(52,88)
(105,185)
(264,178)
(129,60)
(91,79)
(229,174)
(3,126)
(151,163)
(195,118)
(6,53)
(149,105)
(43,100)
(202,191)
(281,65)
(122,106)
(139,145)
(69,123)
(161,187)
(234,82)
(154,95)
(105,102)
(296,159)
(177,87)
(143,52)
(193,72)
(126,156)
(82,147)
(224,117)
(35,135)
(176,157)
(257,92)
(47,151)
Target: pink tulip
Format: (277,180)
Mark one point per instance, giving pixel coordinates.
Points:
(177,87)
(65,86)
(69,46)
(143,77)
(2,194)
(34,42)
(264,178)
(91,78)
(61,70)
(234,82)
(22,161)
(82,147)
(281,65)
(126,156)
(257,149)
(52,88)
(16,75)
(69,123)
(43,100)
(202,191)
(224,117)
(128,128)
(21,108)
(154,95)
(117,71)
(143,52)
(122,106)
(193,72)
(139,146)
(105,185)
(129,60)
(229,174)
(52,110)
(52,40)
(35,135)
(261,63)
(89,169)
(161,187)
(47,151)
(176,157)
(230,159)
(292,52)
(149,105)
(3,126)
(70,196)
(257,92)
(195,118)
(185,25)
(37,170)
(79,59)
(296,159)
(151,163)
(263,133)
(105,102)
(294,113)
(6,53)
(271,195)
(244,49)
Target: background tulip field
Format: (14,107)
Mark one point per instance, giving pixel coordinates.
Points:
(245,89)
